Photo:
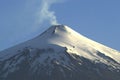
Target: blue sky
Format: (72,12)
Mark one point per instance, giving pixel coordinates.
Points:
(96,19)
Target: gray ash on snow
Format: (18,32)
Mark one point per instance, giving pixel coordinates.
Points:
(60,53)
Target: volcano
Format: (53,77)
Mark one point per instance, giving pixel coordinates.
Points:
(60,53)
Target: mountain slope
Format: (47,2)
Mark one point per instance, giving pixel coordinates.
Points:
(60,53)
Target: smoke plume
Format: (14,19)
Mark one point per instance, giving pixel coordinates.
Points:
(45,14)
(40,14)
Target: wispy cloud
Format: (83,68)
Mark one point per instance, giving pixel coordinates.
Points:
(41,15)
(42,11)
(45,14)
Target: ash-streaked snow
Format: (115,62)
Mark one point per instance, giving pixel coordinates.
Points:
(61,51)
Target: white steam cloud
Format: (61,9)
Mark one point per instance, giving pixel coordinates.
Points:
(45,14)
(39,14)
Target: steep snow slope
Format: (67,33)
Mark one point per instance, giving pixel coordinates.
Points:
(64,36)
(60,51)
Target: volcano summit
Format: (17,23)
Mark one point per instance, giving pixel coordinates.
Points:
(60,53)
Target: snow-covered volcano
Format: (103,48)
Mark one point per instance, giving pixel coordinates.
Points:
(60,53)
